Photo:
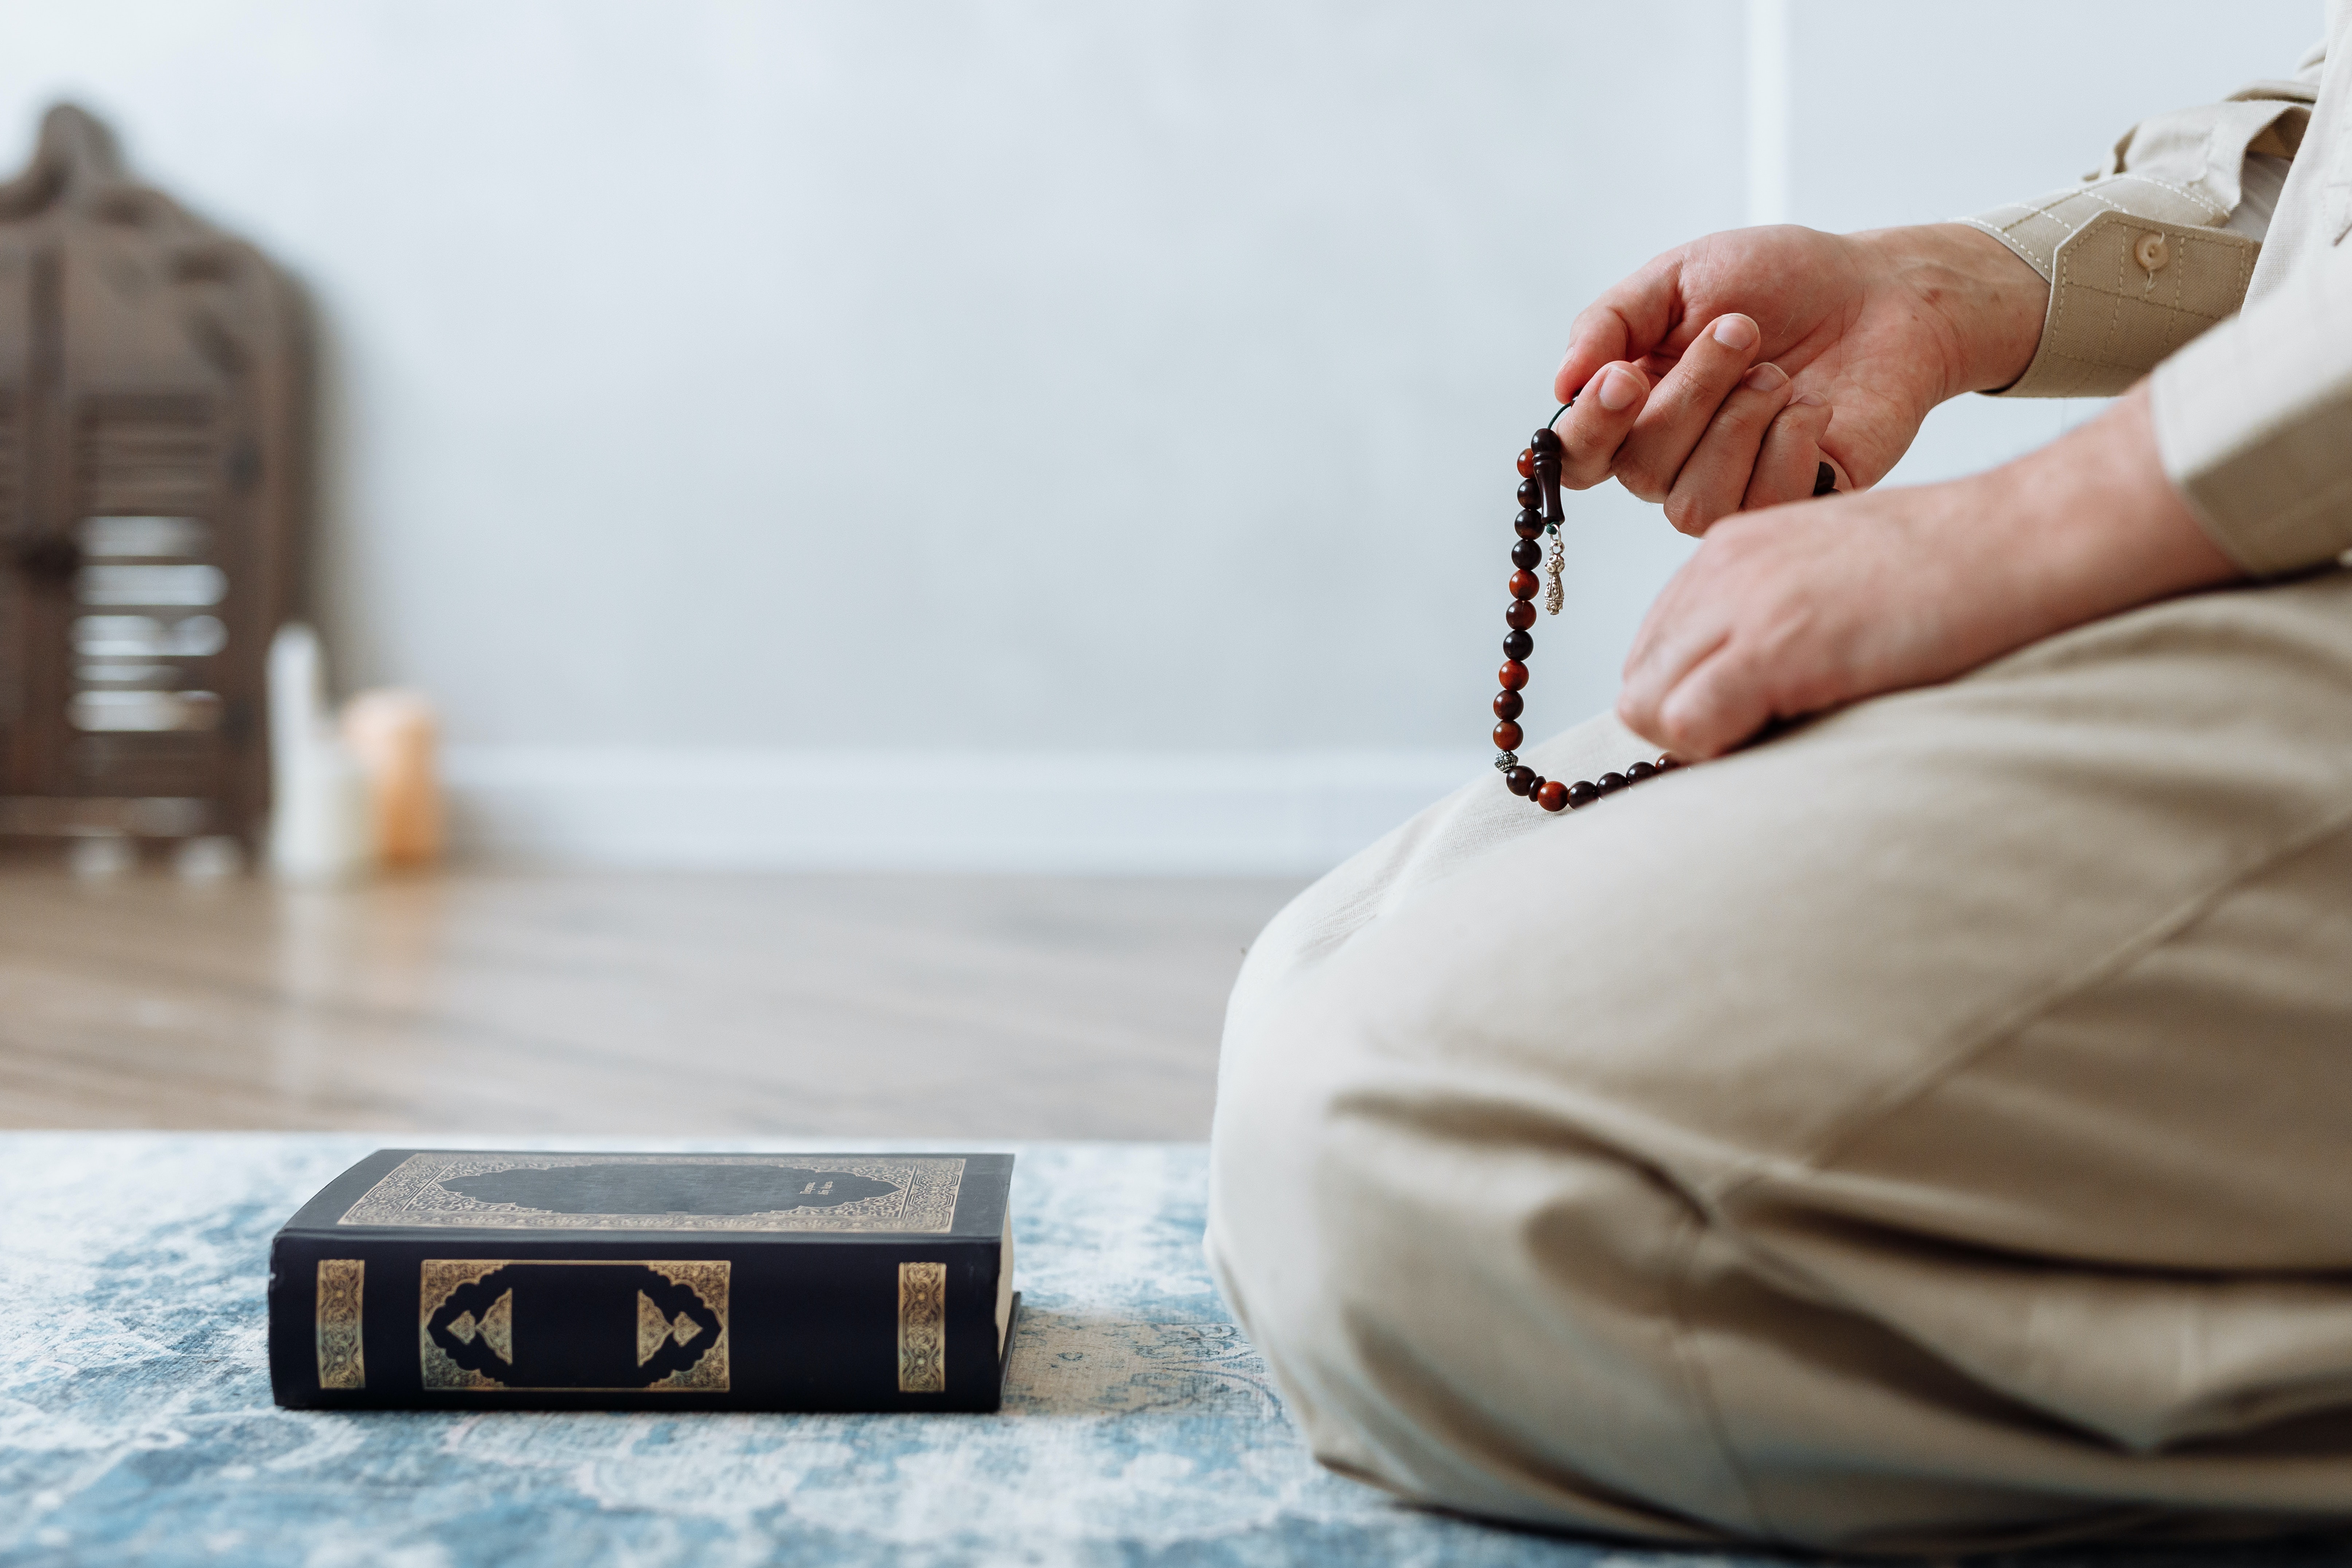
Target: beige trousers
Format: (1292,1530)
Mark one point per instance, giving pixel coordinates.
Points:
(1931,1130)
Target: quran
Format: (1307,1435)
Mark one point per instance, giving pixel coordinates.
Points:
(478,1280)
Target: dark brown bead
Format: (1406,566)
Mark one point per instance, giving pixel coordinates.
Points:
(1520,616)
(1667,764)
(1544,441)
(1824,481)
(1510,705)
(1518,645)
(1528,523)
(1581,794)
(1526,553)
(1508,735)
(1535,783)
(1519,779)
(1553,797)
(1512,675)
(1639,771)
(1524,585)
(1528,464)
(1609,783)
(1530,493)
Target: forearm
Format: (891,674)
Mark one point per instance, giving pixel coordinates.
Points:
(2083,528)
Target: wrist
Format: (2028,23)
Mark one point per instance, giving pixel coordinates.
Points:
(1986,303)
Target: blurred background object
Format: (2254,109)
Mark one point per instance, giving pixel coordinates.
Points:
(393,736)
(152,415)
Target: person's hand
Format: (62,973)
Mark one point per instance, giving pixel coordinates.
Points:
(1787,612)
(1722,374)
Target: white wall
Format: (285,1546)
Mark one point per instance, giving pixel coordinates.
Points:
(1015,433)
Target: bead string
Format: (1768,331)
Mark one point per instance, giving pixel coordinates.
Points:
(1539,488)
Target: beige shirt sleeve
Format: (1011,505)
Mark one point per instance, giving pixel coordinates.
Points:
(2156,246)
(2253,421)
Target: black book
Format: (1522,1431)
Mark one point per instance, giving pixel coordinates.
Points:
(467,1279)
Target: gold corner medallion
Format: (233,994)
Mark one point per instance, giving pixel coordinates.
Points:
(922,1328)
(342,1359)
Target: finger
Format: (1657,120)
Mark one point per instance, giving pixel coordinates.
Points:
(1715,478)
(1788,465)
(1625,322)
(1592,431)
(1683,626)
(1641,702)
(1717,703)
(1684,403)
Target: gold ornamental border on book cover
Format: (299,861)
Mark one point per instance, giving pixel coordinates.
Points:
(438,1278)
(411,1195)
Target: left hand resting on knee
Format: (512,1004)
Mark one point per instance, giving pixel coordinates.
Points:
(1797,608)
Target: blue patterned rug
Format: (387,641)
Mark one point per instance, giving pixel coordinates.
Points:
(1139,1428)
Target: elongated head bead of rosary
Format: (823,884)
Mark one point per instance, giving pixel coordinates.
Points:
(1544,441)
(1553,797)
(1508,735)
(1520,616)
(1512,675)
(1509,704)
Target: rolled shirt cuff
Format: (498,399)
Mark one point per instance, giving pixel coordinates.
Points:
(2137,266)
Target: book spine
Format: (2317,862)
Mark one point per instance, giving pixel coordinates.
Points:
(405,1322)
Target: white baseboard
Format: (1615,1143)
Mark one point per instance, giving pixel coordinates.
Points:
(1286,814)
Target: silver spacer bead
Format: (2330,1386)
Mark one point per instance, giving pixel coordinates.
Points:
(1505,760)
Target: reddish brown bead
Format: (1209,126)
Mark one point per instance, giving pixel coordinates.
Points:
(1520,616)
(1528,463)
(1524,585)
(1507,736)
(1513,675)
(1553,797)
(1521,779)
(1581,794)
(1510,705)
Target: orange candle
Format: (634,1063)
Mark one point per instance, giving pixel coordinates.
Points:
(393,734)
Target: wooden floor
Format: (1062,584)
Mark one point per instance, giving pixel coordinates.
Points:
(662,1003)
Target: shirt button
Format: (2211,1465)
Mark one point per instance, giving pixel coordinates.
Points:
(2151,252)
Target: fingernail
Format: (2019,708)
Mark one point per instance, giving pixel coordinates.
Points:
(1735,333)
(1618,389)
(1765,377)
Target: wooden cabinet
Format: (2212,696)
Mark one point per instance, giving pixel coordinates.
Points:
(153,486)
